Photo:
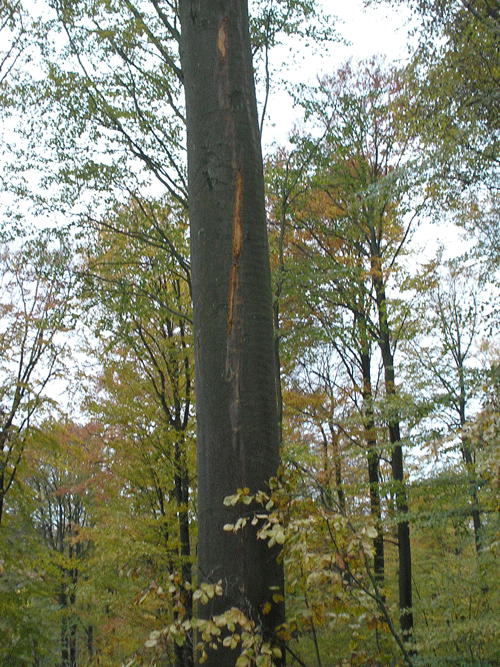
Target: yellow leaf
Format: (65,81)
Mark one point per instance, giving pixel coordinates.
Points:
(280,536)
(231,500)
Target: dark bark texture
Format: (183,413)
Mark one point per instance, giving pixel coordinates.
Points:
(373,458)
(404,543)
(237,424)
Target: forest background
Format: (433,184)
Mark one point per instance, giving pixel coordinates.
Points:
(383,228)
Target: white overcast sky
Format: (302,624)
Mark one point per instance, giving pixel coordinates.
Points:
(380,29)
(377,29)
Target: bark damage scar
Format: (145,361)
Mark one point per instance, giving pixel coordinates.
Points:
(221,40)
(236,251)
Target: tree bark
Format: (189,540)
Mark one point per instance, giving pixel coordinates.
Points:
(237,424)
(466,451)
(404,545)
(184,655)
(373,458)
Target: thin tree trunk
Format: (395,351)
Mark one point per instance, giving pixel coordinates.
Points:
(276,319)
(2,492)
(90,640)
(277,357)
(373,459)
(73,628)
(63,605)
(184,654)
(4,455)
(467,454)
(337,466)
(36,655)
(237,424)
(404,545)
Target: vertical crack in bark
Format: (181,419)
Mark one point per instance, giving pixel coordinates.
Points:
(236,251)
(221,41)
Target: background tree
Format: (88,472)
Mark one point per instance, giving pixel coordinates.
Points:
(14,32)
(61,479)
(455,64)
(36,310)
(455,320)
(43,618)
(139,294)
(349,240)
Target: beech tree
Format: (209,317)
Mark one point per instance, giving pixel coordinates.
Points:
(61,470)
(454,74)
(237,424)
(352,234)
(370,159)
(445,357)
(13,32)
(36,311)
(327,328)
(138,288)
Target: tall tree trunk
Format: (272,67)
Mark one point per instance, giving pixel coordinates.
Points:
(404,545)
(90,640)
(74,552)
(184,654)
(4,457)
(63,604)
(476,517)
(2,489)
(466,452)
(276,315)
(237,424)
(373,459)
(36,654)
(337,465)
